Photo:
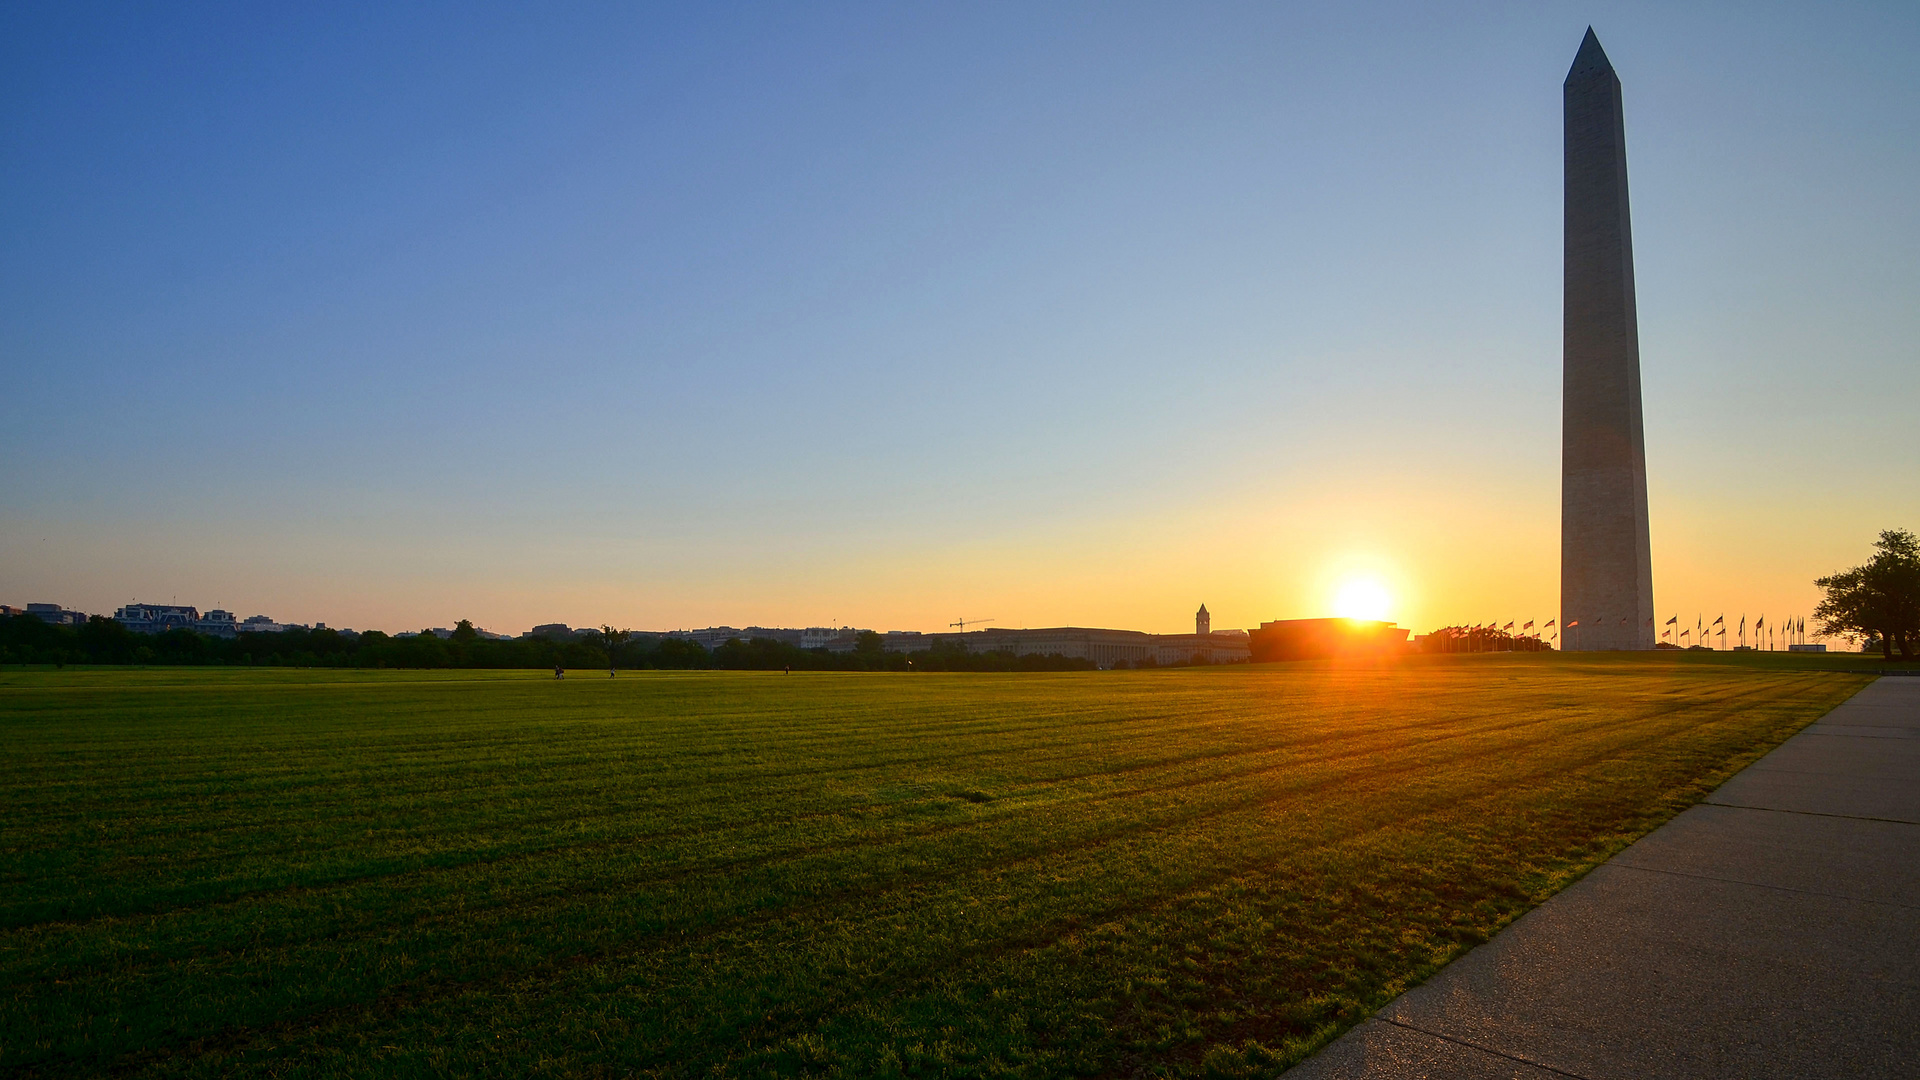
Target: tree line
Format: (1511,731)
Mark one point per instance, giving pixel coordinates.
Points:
(24,639)
(1475,639)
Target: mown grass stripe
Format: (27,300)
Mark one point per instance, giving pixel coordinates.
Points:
(736,874)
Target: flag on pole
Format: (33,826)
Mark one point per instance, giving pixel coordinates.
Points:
(1671,621)
(1528,626)
(1549,623)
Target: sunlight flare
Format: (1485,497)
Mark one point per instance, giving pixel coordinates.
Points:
(1362,598)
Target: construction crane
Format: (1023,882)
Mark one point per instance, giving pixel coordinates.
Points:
(962,623)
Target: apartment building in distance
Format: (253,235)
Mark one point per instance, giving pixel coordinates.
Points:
(52,614)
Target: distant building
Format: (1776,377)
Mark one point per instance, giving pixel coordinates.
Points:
(1202,622)
(561,632)
(1105,648)
(55,615)
(1807,646)
(157,618)
(446,634)
(1320,639)
(825,637)
(259,624)
(710,638)
(217,623)
(1225,647)
(813,637)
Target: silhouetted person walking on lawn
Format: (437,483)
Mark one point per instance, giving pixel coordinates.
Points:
(559,672)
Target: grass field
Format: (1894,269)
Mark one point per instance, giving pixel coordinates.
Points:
(1186,872)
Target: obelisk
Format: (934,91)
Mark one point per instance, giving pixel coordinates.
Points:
(1606,572)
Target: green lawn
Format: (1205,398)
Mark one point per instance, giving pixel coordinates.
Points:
(1195,871)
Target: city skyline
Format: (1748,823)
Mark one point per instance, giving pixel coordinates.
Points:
(1725,630)
(886,319)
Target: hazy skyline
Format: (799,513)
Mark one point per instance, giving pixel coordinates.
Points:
(883,317)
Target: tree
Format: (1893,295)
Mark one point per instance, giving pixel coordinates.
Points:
(679,653)
(870,651)
(614,639)
(464,633)
(1878,600)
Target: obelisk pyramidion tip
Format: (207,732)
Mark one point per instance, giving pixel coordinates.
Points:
(1591,59)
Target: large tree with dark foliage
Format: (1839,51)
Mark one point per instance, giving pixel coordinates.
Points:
(1878,600)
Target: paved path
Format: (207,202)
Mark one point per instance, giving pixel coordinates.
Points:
(1772,931)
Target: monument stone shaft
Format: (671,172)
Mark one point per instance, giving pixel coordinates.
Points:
(1606,572)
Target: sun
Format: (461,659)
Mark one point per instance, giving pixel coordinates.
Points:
(1362,598)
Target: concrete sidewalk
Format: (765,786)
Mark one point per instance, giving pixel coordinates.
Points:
(1771,931)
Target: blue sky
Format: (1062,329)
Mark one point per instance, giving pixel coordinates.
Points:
(885,315)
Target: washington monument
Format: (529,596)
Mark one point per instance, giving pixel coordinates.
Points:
(1606,572)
